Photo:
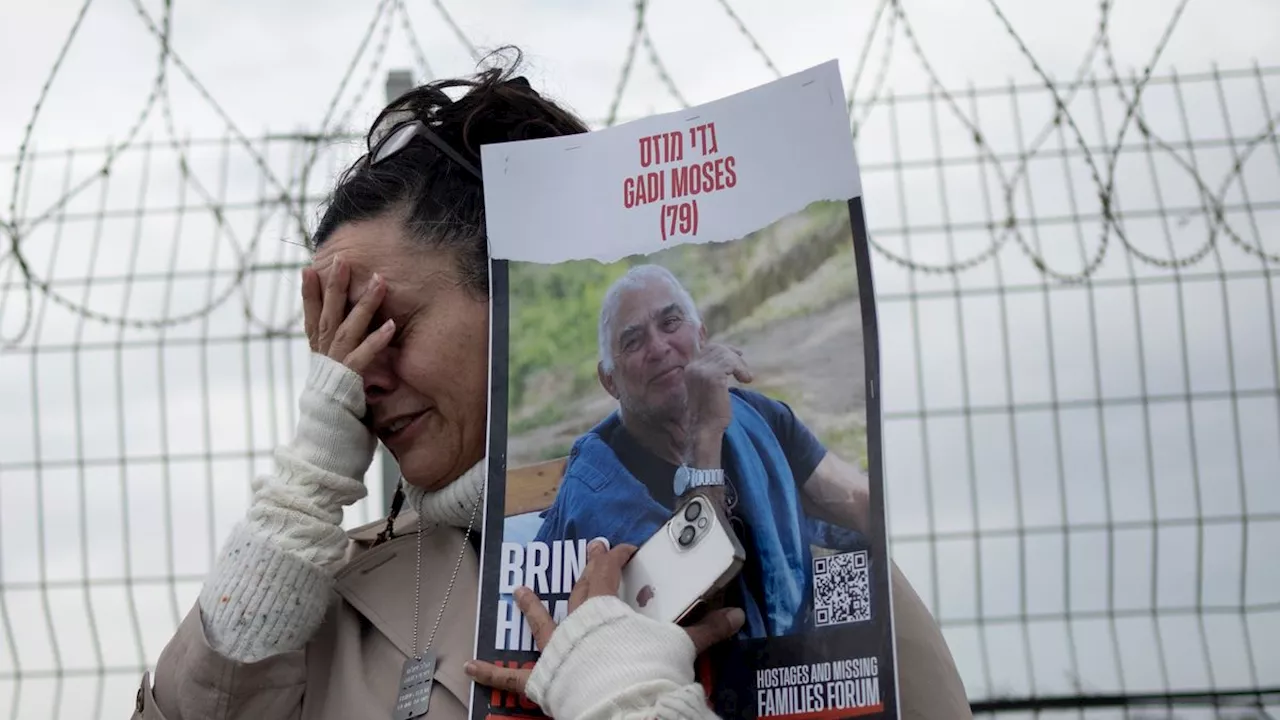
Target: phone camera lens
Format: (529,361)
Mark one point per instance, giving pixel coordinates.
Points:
(692,511)
(686,536)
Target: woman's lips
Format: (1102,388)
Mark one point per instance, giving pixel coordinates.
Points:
(406,430)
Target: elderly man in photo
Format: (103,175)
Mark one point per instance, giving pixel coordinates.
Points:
(680,425)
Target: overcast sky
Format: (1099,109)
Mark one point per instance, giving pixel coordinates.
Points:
(275,68)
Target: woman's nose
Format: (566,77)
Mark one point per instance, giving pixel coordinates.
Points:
(379,377)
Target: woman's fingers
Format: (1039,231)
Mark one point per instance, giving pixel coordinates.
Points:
(335,303)
(334,332)
(578,595)
(718,625)
(362,357)
(608,572)
(353,330)
(312,301)
(602,574)
(541,625)
(500,678)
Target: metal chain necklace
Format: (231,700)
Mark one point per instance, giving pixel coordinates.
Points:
(418,676)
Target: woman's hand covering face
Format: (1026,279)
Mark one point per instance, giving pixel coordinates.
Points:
(333,332)
(397,311)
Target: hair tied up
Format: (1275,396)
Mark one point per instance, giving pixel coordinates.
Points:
(439,204)
(522,82)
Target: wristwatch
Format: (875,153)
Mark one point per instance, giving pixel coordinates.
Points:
(690,478)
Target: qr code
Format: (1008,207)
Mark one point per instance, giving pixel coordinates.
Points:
(841,589)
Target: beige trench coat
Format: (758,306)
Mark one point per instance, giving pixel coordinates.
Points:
(351,668)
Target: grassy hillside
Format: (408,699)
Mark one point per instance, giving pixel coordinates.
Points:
(554,308)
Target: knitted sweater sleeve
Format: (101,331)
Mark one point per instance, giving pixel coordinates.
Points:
(271,584)
(608,662)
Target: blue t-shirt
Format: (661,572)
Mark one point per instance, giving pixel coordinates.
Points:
(803,450)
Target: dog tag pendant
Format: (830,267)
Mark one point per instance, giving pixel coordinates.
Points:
(415,687)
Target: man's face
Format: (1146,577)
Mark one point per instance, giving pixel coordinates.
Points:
(652,341)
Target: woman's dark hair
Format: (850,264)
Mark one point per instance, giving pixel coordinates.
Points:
(440,202)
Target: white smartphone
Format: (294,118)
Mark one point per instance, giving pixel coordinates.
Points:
(689,559)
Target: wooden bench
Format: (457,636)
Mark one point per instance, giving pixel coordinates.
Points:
(532,488)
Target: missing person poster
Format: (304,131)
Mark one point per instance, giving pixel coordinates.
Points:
(682,308)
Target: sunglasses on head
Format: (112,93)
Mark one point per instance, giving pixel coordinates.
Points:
(401,135)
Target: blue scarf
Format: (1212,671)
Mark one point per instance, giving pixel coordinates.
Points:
(599,497)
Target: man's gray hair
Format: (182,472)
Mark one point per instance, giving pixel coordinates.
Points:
(637,277)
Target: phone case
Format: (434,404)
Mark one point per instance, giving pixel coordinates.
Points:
(667,578)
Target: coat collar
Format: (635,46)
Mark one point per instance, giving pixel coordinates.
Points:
(378,582)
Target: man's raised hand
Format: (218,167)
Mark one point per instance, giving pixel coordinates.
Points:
(707,386)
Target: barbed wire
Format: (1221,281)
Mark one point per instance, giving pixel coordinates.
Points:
(419,56)
(1010,227)
(755,44)
(890,18)
(891,40)
(157,96)
(871,101)
(13,228)
(661,68)
(380,14)
(457,30)
(628,63)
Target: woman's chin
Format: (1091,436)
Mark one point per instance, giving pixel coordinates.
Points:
(430,481)
(432,471)
(431,475)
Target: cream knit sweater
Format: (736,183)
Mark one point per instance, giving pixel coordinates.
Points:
(270,587)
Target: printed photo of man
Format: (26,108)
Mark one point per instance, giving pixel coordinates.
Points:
(682,423)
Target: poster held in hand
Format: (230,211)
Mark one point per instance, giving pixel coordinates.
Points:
(683,305)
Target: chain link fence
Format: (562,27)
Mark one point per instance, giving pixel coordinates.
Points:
(1078,286)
